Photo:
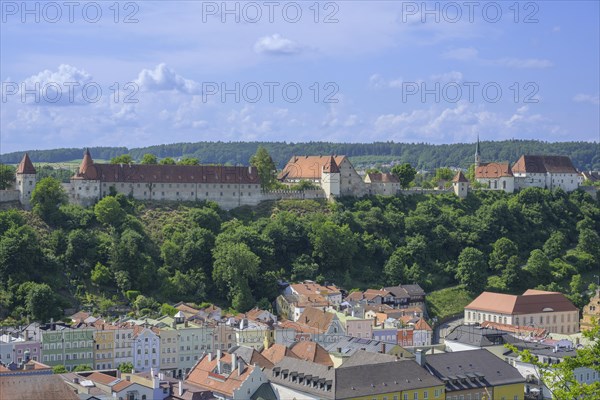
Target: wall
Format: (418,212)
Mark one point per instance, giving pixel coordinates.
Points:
(7,196)
(509,392)
(351,183)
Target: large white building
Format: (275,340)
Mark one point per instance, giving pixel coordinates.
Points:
(549,310)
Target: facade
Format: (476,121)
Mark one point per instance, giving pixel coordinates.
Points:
(495,176)
(549,172)
(104,346)
(590,312)
(146,348)
(422,333)
(548,310)
(460,185)
(297,297)
(124,344)
(25,180)
(67,346)
(382,183)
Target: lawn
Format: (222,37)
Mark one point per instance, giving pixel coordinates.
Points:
(449,301)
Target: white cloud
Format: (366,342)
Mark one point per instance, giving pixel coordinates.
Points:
(452,76)
(472,54)
(276,44)
(61,87)
(463,53)
(587,98)
(163,78)
(522,62)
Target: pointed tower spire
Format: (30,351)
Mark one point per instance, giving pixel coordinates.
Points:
(86,168)
(26,166)
(477,156)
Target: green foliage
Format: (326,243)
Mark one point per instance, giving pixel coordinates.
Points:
(108,211)
(149,159)
(189,161)
(167,309)
(265,166)
(7,176)
(448,302)
(555,245)
(82,368)
(126,368)
(167,161)
(471,269)
(560,377)
(122,159)
(538,266)
(405,173)
(46,200)
(59,369)
(503,250)
(304,185)
(40,301)
(101,275)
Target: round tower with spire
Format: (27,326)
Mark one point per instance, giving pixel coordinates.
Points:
(85,184)
(477,156)
(26,176)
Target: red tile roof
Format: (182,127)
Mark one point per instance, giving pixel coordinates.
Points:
(26,166)
(202,375)
(543,164)
(313,352)
(307,167)
(422,325)
(276,352)
(331,166)
(529,303)
(460,177)
(383,178)
(493,170)
(146,173)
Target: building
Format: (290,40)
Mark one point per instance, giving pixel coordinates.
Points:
(422,333)
(146,348)
(26,387)
(549,172)
(68,346)
(474,337)
(294,378)
(496,176)
(590,312)
(460,185)
(297,297)
(549,310)
(347,348)
(382,183)
(26,178)
(227,376)
(476,374)
(323,327)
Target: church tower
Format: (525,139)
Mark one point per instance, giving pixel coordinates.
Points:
(26,180)
(477,156)
(330,178)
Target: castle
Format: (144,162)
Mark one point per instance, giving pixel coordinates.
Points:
(234,186)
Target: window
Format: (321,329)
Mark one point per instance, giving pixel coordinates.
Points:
(416,395)
(425,394)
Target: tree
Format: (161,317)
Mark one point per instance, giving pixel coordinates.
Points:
(405,173)
(41,302)
(589,242)
(122,159)
(560,378)
(149,159)
(126,368)
(443,174)
(7,176)
(46,199)
(167,161)
(471,269)
(101,275)
(59,369)
(372,171)
(242,300)
(503,250)
(109,212)
(234,262)
(263,162)
(82,368)
(555,245)
(189,161)
(167,309)
(538,266)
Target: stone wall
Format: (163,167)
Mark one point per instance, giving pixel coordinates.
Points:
(8,196)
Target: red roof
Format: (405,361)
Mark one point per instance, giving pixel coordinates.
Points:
(383,178)
(26,166)
(147,173)
(460,177)
(308,167)
(543,164)
(493,170)
(531,302)
(331,166)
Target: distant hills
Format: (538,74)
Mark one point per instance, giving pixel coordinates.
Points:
(585,155)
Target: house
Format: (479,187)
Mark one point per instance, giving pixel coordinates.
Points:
(67,345)
(476,374)
(422,333)
(146,348)
(311,351)
(293,378)
(348,346)
(460,185)
(275,352)
(591,311)
(297,297)
(405,295)
(26,387)
(552,311)
(520,332)
(226,375)
(324,327)
(382,183)
(474,337)
(251,356)
(549,172)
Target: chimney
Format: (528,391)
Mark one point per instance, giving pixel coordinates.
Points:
(210,356)
(240,367)
(219,361)
(180,388)
(155,382)
(186,323)
(233,362)
(420,357)
(382,350)
(76,380)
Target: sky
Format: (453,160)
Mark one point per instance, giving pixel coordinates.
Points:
(107,73)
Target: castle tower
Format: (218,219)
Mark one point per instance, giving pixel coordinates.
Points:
(26,180)
(460,184)
(85,184)
(477,156)
(330,178)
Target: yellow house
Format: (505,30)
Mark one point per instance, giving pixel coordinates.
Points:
(474,374)
(104,345)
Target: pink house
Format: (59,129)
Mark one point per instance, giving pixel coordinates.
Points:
(360,328)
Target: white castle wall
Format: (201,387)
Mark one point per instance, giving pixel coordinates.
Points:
(9,196)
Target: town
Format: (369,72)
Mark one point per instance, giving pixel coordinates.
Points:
(327,344)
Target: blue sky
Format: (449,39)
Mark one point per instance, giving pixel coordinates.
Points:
(384,71)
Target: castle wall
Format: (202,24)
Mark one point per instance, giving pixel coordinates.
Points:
(84,192)
(351,183)
(506,183)
(383,188)
(25,184)
(8,196)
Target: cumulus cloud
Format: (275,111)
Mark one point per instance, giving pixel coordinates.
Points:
(277,45)
(163,78)
(64,86)
(587,98)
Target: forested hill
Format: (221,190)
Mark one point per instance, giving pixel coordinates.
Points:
(585,155)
